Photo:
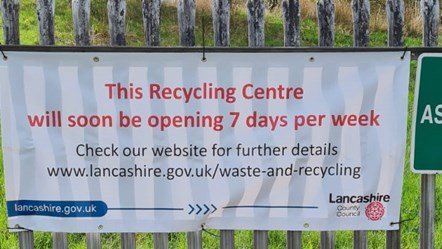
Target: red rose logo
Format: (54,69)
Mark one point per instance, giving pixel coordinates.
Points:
(375,211)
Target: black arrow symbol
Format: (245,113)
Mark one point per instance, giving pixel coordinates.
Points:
(207,209)
(191,209)
(199,209)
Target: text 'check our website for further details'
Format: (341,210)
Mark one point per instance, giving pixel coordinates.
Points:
(336,169)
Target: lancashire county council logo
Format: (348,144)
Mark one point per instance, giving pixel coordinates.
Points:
(375,211)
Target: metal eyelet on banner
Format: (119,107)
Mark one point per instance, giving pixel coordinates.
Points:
(306,225)
(100,227)
(96,59)
(312,59)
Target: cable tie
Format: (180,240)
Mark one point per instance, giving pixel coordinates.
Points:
(203,24)
(405,51)
(400,222)
(17,227)
(5,58)
(207,231)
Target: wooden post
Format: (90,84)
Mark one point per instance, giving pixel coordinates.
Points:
(186,21)
(26,240)
(292,38)
(45,14)
(260,239)
(81,18)
(361,22)
(161,240)
(325,12)
(430,21)
(117,14)
(326,22)
(395,16)
(328,240)
(291,15)
(360,239)
(195,240)
(128,241)
(255,18)
(93,241)
(221,22)
(10,18)
(151,20)
(221,38)
(59,240)
(227,239)
(294,240)
(393,239)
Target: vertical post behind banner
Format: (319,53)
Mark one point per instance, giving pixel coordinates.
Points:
(116,10)
(10,16)
(221,35)
(361,20)
(46,14)
(195,240)
(11,32)
(93,241)
(430,20)
(59,241)
(328,240)
(161,240)
(255,18)
(128,241)
(186,21)
(81,10)
(325,11)
(395,17)
(26,240)
(292,38)
(151,21)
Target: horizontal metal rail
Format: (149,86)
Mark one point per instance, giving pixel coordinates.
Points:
(415,51)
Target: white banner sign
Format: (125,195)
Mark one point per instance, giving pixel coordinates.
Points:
(163,142)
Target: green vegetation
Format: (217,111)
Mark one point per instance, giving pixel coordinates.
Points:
(169,37)
(169,25)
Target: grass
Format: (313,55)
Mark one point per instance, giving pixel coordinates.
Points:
(169,24)
(7,240)
(273,38)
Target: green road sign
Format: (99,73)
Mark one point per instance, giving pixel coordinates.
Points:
(426,141)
